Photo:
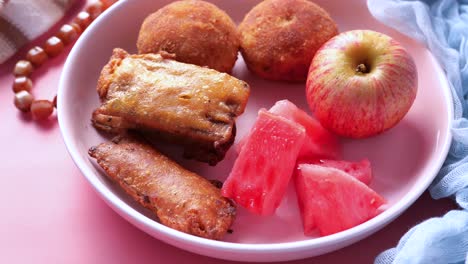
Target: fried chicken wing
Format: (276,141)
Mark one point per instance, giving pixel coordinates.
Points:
(179,198)
(193,105)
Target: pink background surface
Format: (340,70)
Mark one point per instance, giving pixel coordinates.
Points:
(50,214)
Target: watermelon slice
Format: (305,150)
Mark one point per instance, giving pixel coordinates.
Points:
(360,170)
(333,200)
(319,143)
(265,164)
(303,201)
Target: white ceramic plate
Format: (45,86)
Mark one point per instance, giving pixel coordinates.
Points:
(405,159)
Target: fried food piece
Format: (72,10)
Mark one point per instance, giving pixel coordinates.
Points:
(183,103)
(179,198)
(280,37)
(196,32)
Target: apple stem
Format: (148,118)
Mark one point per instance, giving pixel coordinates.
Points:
(361,68)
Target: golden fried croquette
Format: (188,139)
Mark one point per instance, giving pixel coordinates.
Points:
(280,37)
(197,32)
(179,198)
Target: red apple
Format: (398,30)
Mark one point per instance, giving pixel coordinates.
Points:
(361,83)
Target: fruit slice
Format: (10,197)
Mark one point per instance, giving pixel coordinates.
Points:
(303,200)
(319,143)
(360,170)
(262,171)
(332,200)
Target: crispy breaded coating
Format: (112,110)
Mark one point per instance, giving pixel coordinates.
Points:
(179,198)
(280,37)
(196,32)
(185,103)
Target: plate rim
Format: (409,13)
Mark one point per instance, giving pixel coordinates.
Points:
(123,209)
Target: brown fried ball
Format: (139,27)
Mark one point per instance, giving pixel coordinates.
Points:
(280,37)
(197,32)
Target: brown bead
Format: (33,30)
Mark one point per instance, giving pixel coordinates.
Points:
(95,9)
(23,101)
(36,56)
(67,34)
(55,101)
(77,27)
(22,83)
(83,19)
(23,68)
(108,3)
(41,109)
(53,46)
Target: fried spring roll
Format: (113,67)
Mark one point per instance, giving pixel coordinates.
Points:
(179,198)
(192,105)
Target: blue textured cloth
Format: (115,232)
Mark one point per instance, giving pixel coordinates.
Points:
(443,26)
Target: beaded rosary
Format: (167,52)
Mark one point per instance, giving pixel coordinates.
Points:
(36,56)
